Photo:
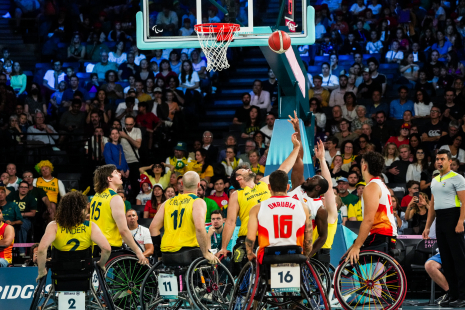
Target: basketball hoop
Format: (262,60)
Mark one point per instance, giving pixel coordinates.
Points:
(214,39)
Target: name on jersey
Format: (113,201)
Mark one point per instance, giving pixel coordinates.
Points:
(52,189)
(77,230)
(281,204)
(181,202)
(257,195)
(103,195)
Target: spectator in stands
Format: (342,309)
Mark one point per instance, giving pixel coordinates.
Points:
(96,146)
(315,107)
(252,124)
(140,94)
(377,105)
(454,147)
(329,81)
(442,45)
(95,47)
(212,151)
(144,73)
(34,101)
(157,198)
(337,95)
(348,156)
(374,46)
(347,198)
(423,104)
(399,106)
(318,91)
(249,146)
(73,121)
(332,125)
(146,193)
(175,64)
(355,211)
(420,163)
(390,153)
(103,66)
(187,29)
(18,80)
(271,86)
(27,204)
(156,174)
(48,133)
(95,122)
(149,121)
(394,54)
(350,46)
(444,79)
(14,129)
(13,179)
(68,94)
(408,70)
(166,71)
(352,179)
(397,171)
(112,90)
(180,160)
(403,135)
(51,79)
(204,170)
(253,157)
(340,25)
(76,50)
(140,233)
(167,20)
(7,236)
(348,109)
(361,34)
(25,9)
(434,129)
(336,168)
(118,56)
(417,212)
(377,77)
(451,110)
(11,212)
(231,162)
(366,89)
(455,67)
(351,83)
(127,108)
(128,69)
(137,55)
(259,97)
(220,196)
(114,154)
(357,7)
(170,192)
(268,128)
(361,119)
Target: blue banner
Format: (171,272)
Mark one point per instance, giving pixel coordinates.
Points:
(17,285)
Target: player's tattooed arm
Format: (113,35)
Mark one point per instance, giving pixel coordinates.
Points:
(308,236)
(249,245)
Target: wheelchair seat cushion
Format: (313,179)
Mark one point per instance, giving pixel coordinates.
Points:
(183,257)
(290,254)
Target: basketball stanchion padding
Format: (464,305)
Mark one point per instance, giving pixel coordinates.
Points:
(279,42)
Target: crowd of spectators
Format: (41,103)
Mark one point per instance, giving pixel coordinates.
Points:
(384,76)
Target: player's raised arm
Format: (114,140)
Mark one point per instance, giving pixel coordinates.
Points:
(252,229)
(330,198)
(297,175)
(287,165)
(308,234)
(230,224)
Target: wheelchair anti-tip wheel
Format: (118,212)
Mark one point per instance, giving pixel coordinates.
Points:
(375,281)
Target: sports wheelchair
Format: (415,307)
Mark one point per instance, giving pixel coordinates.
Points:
(185,279)
(72,283)
(284,280)
(376,281)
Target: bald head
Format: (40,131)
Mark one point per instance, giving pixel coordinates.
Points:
(190,181)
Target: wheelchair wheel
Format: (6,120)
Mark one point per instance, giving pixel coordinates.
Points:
(375,281)
(323,273)
(313,288)
(209,286)
(103,289)
(40,296)
(124,278)
(245,287)
(149,297)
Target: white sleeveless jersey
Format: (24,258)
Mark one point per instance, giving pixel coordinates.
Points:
(281,221)
(384,222)
(313,204)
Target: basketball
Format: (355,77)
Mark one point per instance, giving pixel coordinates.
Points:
(279,41)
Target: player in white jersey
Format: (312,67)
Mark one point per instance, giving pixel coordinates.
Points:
(279,220)
(378,229)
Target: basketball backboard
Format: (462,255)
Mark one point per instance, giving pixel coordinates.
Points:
(161,25)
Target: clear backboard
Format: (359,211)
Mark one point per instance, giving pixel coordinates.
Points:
(170,24)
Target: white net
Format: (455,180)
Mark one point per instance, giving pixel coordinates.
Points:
(214,40)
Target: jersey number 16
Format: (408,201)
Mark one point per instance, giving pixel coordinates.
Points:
(282,226)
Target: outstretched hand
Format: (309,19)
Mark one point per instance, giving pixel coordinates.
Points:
(295,141)
(295,122)
(320,150)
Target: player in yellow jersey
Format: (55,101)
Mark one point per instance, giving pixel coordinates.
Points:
(183,218)
(244,199)
(324,213)
(71,232)
(108,212)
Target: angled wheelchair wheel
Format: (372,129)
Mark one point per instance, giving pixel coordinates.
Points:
(103,288)
(149,296)
(376,281)
(323,273)
(313,288)
(124,276)
(245,287)
(209,286)
(40,296)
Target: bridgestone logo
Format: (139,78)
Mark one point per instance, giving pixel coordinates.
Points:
(16,291)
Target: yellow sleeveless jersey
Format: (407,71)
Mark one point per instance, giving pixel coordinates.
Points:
(331,233)
(51,188)
(100,213)
(74,239)
(179,224)
(247,198)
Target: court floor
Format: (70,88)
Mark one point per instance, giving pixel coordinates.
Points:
(417,304)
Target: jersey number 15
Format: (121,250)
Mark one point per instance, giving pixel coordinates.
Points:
(282,226)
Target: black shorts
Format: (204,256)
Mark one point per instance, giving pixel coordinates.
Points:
(239,256)
(381,243)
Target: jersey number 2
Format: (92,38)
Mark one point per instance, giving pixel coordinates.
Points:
(174,215)
(282,226)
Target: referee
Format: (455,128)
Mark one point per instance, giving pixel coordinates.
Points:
(448,201)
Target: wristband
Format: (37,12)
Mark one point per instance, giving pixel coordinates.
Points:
(156,245)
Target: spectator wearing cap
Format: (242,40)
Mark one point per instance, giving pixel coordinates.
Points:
(397,171)
(337,95)
(403,136)
(156,200)
(434,129)
(167,21)
(355,211)
(268,129)
(103,66)
(399,106)
(145,192)
(220,196)
(342,186)
(318,91)
(212,18)
(366,89)
(179,160)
